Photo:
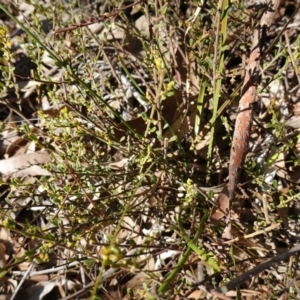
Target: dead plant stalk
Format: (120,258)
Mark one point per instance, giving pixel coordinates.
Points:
(243,120)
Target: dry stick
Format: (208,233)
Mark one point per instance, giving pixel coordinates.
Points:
(234,283)
(243,120)
(101,18)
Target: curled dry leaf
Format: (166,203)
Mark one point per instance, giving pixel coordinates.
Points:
(9,140)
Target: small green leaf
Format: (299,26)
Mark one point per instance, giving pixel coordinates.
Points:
(173,138)
(89,263)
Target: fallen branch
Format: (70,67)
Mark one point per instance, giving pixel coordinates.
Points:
(243,120)
(236,282)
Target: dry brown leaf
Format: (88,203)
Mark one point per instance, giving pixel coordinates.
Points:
(172,109)
(198,295)
(5,297)
(96,28)
(202,142)
(201,294)
(130,229)
(293,123)
(25,164)
(5,234)
(141,278)
(38,291)
(135,9)
(20,252)
(112,33)
(223,207)
(142,25)
(7,245)
(3,258)
(227,235)
(295,175)
(280,165)
(182,121)
(137,281)
(118,164)
(10,139)
(245,293)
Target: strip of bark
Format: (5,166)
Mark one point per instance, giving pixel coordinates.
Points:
(244,116)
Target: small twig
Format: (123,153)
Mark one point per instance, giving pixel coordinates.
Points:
(266,208)
(156,105)
(291,56)
(253,234)
(236,282)
(21,282)
(47,271)
(274,42)
(84,23)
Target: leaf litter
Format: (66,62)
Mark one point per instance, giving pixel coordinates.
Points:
(89,199)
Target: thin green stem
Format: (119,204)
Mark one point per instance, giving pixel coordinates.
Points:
(68,69)
(219,54)
(185,256)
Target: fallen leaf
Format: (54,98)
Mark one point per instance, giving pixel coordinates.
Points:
(221,207)
(25,164)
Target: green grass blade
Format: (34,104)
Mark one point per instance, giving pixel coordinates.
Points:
(217,80)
